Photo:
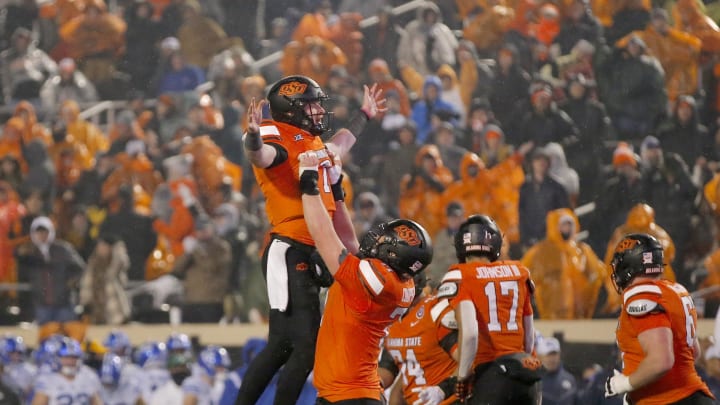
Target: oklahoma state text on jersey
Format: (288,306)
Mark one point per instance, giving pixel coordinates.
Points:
(280,183)
(658,304)
(501,293)
(420,344)
(364,300)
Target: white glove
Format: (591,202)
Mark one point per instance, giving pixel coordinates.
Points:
(431,395)
(617,384)
(334,170)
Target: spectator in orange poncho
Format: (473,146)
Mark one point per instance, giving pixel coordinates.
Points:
(82,131)
(11,141)
(313,57)
(548,25)
(688,17)
(172,202)
(640,219)
(712,266)
(567,273)
(11,213)
(314,24)
(379,72)
(486,26)
(61,11)
(711,192)
(677,51)
(200,37)
(421,191)
(472,190)
(133,170)
(70,158)
(506,177)
(347,36)
(95,39)
(33,129)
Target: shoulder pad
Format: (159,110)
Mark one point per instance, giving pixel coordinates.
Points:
(447,290)
(269,131)
(452,275)
(642,307)
(641,289)
(449,321)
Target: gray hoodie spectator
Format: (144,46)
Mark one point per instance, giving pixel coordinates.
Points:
(68,84)
(427,43)
(24,68)
(53,269)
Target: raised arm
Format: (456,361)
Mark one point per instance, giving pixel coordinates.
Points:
(318,220)
(373,103)
(258,153)
(342,222)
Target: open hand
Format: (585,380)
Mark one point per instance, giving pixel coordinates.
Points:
(254,115)
(373,101)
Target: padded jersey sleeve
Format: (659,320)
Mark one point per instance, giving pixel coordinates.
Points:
(646,308)
(362,282)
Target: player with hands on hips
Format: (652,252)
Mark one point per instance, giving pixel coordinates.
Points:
(273,146)
(656,330)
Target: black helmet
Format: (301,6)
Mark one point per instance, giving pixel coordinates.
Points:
(479,235)
(637,254)
(402,244)
(288,98)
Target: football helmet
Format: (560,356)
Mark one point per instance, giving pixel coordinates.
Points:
(178,342)
(111,369)
(212,358)
(46,353)
(479,235)
(402,244)
(288,98)
(69,348)
(151,354)
(10,344)
(637,254)
(118,342)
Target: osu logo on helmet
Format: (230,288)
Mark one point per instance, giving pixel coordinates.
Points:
(626,244)
(408,235)
(292,88)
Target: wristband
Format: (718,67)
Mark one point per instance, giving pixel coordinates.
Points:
(252,141)
(448,386)
(337,190)
(309,182)
(357,123)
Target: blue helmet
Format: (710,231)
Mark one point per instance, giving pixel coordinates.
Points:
(212,357)
(69,348)
(178,341)
(46,353)
(11,344)
(151,354)
(111,369)
(118,342)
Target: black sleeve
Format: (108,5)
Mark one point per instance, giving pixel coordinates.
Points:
(282,155)
(449,341)
(387,362)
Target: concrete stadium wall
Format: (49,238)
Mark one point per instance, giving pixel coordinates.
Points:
(582,332)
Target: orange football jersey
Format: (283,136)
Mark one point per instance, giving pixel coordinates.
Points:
(280,184)
(365,299)
(655,304)
(501,292)
(414,342)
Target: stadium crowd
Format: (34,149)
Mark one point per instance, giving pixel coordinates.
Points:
(571,123)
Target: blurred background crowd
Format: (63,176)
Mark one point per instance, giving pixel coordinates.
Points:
(124,190)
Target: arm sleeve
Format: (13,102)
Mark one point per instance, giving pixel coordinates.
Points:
(388,363)
(280,157)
